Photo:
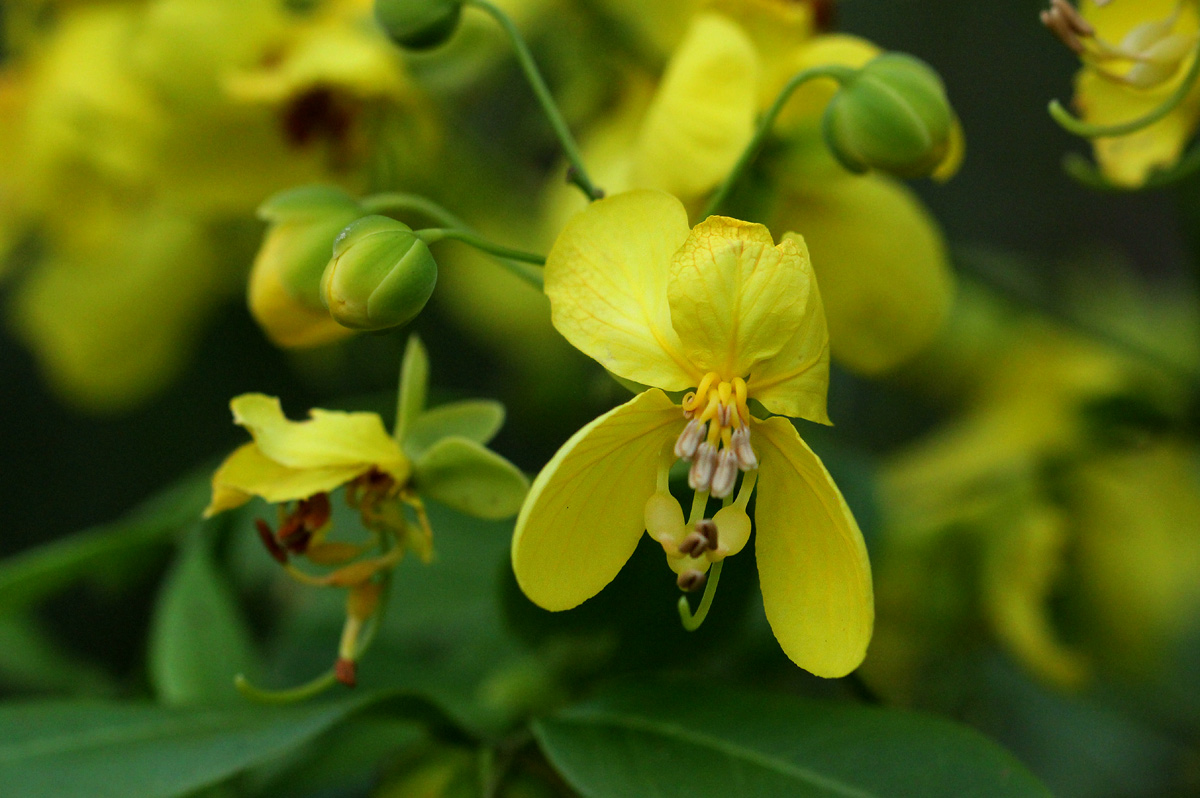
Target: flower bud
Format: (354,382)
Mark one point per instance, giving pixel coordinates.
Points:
(893,115)
(419,24)
(381,275)
(284,286)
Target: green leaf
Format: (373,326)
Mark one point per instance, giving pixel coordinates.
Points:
(474,419)
(198,640)
(414,383)
(30,659)
(110,750)
(692,739)
(34,574)
(465,476)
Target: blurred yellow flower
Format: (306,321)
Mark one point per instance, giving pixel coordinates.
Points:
(722,310)
(1135,56)
(125,169)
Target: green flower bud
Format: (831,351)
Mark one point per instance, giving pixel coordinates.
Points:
(893,115)
(419,24)
(284,289)
(381,275)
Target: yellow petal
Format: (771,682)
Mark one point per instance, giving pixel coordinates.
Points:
(606,277)
(248,472)
(353,442)
(745,307)
(886,282)
(812,562)
(795,381)
(584,513)
(703,114)
(1128,160)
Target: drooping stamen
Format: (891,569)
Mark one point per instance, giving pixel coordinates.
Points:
(691,581)
(1067,24)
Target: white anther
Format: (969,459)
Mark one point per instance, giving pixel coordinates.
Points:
(725,474)
(725,415)
(740,442)
(689,439)
(701,473)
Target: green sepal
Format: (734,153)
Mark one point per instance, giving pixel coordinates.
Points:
(305,202)
(414,386)
(467,477)
(419,24)
(474,419)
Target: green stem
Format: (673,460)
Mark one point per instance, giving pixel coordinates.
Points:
(401,201)
(692,622)
(1092,131)
(514,260)
(291,695)
(434,234)
(834,71)
(577,174)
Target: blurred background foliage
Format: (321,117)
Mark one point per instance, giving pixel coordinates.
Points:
(1029,486)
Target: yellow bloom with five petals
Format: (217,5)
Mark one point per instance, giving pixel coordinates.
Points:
(723,311)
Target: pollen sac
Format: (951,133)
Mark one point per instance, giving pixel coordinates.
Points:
(701,473)
(747,460)
(725,475)
(689,440)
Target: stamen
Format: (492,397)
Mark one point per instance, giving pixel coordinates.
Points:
(693,545)
(1067,24)
(725,475)
(691,581)
(708,528)
(268,540)
(701,473)
(689,439)
(740,443)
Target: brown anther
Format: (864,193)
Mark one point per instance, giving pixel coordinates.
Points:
(688,440)
(346,671)
(1067,24)
(315,511)
(701,473)
(691,580)
(708,528)
(725,475)
(694,545)
(268,540)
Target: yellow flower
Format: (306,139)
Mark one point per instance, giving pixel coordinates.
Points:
(1136,56)
(686,135)
(719,309)
(293,460)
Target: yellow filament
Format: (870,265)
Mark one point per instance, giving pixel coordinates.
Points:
(725,391)
(726,437)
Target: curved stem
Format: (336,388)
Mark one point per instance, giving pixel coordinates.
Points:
(433,234)
(289,696)
(514,260)
(402,201)
(833,71)
(1088,130)
(577,174)
(692,622)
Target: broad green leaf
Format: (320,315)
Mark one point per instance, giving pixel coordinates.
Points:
(692,739)
(109,750)
(475,419)
(414,383)
(465,476)
(199,640)
(40,572)
(30,659)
